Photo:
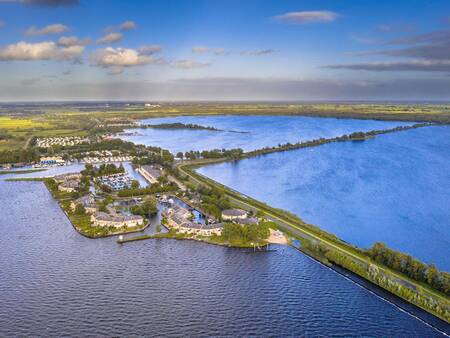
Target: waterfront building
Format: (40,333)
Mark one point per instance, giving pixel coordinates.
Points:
(69,185)
(66,177)
(233,214)
(51,160)
(246,221)
(102,219)
(88,202)
(150,172)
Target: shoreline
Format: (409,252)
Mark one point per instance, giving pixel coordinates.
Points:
(286,222)
(411,309)
(405,306)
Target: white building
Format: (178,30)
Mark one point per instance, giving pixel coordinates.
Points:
(233,214)
(88,202)
(102,219)
(151,173)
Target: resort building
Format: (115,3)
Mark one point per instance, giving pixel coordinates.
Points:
(150,172)
(69,185)
(88,202)
(179,218)
(192,228)
(52,160)
(102,219)
(246,221)
(66,177)
(234,214)
(68,182)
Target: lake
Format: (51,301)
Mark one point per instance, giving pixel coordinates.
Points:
(247,132)
(393,188)
(54,282)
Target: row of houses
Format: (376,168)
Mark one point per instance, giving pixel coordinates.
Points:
(116,220)
(47,142)
(106,159)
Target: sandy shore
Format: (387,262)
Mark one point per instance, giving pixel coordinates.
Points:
(277,237)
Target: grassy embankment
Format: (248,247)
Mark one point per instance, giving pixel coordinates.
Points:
(27,171)
(216,240)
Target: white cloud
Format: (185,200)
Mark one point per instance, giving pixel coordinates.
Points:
(258,52)
(190,64)
(306,17)
(50,29)
(200,49)
(127,25)
(68,41)
(149,49)
(110,38)
(120,57)
(47,50)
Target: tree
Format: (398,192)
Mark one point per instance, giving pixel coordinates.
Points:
(79,209)
(106,188)
(180,155)
(146,208)
(134,184)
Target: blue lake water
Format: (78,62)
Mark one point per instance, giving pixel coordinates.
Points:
(394,188)
(54,282)
(256,131)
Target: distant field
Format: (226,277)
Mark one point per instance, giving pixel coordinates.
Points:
(426,113)
(15,123)
(78,121)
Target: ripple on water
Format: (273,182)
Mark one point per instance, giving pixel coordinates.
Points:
(55,282)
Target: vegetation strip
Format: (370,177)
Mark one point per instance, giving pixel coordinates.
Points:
(28,171)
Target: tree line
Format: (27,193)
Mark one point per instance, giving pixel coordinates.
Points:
(411,267)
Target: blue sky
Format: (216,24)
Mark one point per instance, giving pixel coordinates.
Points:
(224,50)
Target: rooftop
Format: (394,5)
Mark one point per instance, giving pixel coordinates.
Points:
(234,212)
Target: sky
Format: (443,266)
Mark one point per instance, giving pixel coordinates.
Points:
(224,50)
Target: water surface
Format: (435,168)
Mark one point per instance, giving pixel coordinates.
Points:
(55,282)
(247,132)
(393,188)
